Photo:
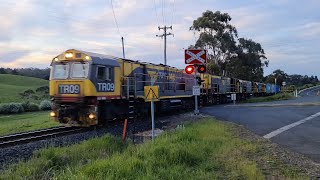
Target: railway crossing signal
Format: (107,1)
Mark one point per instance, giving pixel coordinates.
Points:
(189,69)
(195,56)
(192,68)
(202,69)
(196,60)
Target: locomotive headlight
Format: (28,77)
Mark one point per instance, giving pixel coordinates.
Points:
(92,116)
(69,55)
(52,114)
(87,57)
(56,59)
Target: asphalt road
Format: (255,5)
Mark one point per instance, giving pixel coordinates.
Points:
(291,126)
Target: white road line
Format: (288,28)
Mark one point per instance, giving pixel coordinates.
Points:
(312,91)
(308,88)
(287,127)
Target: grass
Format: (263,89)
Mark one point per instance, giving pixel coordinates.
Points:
(25,122)
(12,85)
(204,150)
(277,97)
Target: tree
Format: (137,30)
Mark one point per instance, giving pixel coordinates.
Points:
(14,71)
(3,71)
(280,75)
(316,78)
(227,55)
(217,36)
(249,62)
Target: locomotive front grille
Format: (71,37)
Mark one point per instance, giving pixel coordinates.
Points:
(60,99)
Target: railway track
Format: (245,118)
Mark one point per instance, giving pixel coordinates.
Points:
(32,136)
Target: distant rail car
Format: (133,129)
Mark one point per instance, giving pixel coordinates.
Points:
(89,89)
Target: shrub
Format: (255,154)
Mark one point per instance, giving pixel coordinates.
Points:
(33,107)
(11,108)
(30,107)
(291,88)
(45,105)
(44,89)
(29,91)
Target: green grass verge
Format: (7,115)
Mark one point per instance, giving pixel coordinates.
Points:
(277,97)
(12,85)
(204,150)
(25,122)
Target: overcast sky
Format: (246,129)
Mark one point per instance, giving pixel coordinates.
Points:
(32,32)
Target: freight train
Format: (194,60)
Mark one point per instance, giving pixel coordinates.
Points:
(93,89)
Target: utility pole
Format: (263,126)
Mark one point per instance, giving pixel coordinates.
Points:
(123,48)
(165,34)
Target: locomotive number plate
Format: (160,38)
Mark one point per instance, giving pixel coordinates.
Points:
(69,89)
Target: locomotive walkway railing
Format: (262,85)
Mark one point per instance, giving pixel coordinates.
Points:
(133,84)
(139,80)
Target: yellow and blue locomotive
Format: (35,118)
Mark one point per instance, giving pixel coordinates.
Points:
(88,88)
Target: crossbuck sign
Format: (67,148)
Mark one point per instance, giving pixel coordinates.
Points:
(195,56)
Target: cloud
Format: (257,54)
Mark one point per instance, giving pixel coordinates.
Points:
(34,31)
(35,59)
(311,29)
(6,57)
(247,18)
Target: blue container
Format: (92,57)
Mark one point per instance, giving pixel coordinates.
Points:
(273,90)
(278,89)
(268,88)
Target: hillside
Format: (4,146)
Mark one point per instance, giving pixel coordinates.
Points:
(12,85)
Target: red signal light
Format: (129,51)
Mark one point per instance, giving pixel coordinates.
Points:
(202,69)
(189,69)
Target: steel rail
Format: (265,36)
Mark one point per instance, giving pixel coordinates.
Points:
(32,136)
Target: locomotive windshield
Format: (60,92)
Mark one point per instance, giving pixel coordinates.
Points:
(60,71)
(74,70)
(80,70)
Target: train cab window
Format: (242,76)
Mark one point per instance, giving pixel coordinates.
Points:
(80,70)
(108,73)
(101,72)
(60,71)
(104,73)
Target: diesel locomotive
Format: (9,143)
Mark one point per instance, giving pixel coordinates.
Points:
(89,89)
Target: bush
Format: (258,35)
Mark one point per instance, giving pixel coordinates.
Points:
(292,88)
(30,107)
(45,105)
(33,107)
(11,108)
(44,89)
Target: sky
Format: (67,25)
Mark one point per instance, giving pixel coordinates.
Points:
(32,32)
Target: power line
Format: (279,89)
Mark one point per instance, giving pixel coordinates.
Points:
(156,12)
(163,19)
(164,11)
(173,11)
(157,18)
(115,19)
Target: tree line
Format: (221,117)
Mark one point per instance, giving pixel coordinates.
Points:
(30,72)
(294,79)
